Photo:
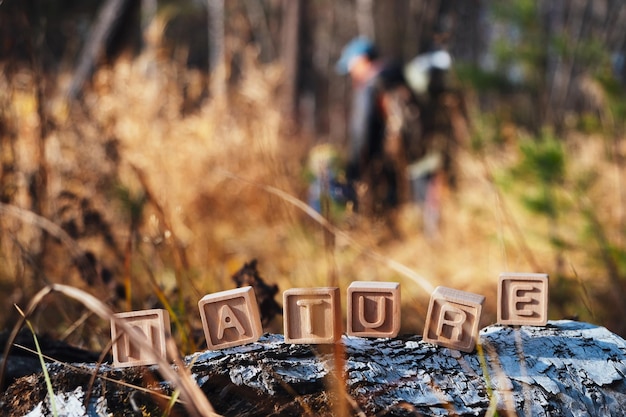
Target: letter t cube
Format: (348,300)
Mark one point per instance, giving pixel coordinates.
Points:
(312,315)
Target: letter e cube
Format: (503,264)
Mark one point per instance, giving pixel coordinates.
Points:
(312,315)
(523,299)
(452,319)
(373,309)
(153,325)
(230,318)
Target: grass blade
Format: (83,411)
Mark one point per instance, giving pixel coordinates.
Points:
(46,375)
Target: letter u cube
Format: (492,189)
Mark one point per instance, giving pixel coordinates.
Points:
(373,309)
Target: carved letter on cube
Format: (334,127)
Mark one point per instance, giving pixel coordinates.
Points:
(452,319)
(312,315)
(230,318)
(152,325)
(523,299)
(373,309)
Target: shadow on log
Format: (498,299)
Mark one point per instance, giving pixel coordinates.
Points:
(563,369)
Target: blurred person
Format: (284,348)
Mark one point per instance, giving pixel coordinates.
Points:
(376,164)
(329,192)
(432,171)
(401,128)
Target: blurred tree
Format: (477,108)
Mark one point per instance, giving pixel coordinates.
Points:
(216,29)
(549,55)
(292,13)
(101,34)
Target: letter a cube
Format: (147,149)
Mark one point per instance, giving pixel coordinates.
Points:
(153,326)
(230,318)
(523,299)
(452,319)
(373,309)
(312,315)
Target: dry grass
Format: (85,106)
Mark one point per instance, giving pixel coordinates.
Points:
(192,397)
(186,197)
(207,185)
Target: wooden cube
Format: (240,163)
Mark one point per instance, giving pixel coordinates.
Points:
(373,309)
(452,319)
(153,325)
(230,318)
(523,299)
(312,315)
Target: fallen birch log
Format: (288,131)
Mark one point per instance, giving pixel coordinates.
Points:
(565,368)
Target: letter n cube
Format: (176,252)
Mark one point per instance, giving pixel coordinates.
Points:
(230,318)
(523,299)
(452,319)
(312,315)
(153,326)
(373,309)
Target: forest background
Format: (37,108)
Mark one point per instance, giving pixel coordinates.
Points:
(148,149)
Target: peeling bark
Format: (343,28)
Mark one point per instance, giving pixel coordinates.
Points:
(563,369)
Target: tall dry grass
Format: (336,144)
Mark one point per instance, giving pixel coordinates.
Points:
(186,190)
(170,194)
(193,399)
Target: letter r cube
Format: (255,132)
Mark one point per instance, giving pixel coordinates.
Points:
(523,299)
(312,315)
(452,319)
(230,318)
(153,326)
(373,309)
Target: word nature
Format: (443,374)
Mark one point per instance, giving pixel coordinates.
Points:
(313,316)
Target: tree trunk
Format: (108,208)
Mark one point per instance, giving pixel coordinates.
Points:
(102,29)
(292,10)
(216,35)
(563,369)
